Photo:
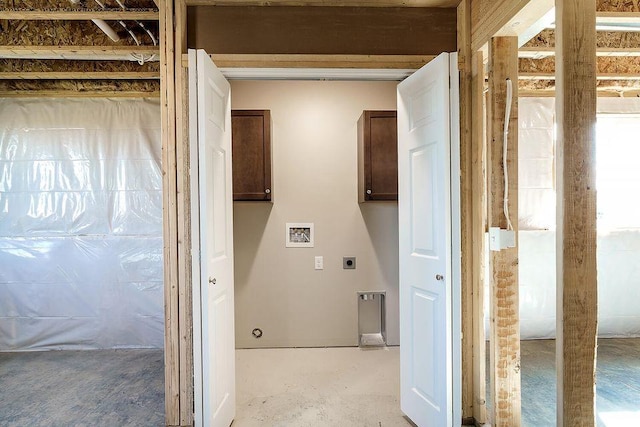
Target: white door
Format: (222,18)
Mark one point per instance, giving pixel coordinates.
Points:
(212,232)
(429,330)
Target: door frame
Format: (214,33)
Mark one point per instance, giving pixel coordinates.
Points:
(356,74)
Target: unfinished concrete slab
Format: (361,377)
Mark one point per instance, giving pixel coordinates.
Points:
(82,388)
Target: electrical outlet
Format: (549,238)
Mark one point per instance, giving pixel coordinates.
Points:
(319,263)
(349,263)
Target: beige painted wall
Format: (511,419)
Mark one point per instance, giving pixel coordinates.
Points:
(314,142)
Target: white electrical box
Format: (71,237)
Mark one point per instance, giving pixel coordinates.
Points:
(500,238)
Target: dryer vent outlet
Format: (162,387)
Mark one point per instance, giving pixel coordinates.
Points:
(349,263)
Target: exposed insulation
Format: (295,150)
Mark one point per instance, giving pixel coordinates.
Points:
(143,86)
(606,65)
(70,33)
(30,65)
(604,39)
(617,5)
(66,4)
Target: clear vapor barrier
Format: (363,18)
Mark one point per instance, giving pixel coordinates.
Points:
(80,224)
(618,244)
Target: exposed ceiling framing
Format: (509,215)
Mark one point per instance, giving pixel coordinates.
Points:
(49,44)
(618,50)
(53,47)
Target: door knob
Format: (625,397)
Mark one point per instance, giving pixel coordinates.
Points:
(267,191)
(212,280)
(439,277)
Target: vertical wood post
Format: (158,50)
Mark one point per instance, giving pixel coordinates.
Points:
(479,227)
(467,238)
(185,311)
(505,319)
(577,288)
(169,216)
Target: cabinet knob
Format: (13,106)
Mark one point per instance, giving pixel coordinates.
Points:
(439,277)
(368,191)
(267,191)
(212,280)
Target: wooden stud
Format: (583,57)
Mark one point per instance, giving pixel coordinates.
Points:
(110,15)
(505,324)
(169,216)
(479,227)
(577,288)
(464,66)
(185,304)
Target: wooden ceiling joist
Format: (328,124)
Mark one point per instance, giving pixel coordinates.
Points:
(75,75)
(115,15)
(617,18)
(546,51)
(604,40)
(599,76)
(79,52)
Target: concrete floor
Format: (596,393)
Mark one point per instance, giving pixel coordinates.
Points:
(82,388)
(318,387)
(617,389)
(281,387)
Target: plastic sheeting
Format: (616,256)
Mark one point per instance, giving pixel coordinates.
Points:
(536,193)
(80,224)
(618,251)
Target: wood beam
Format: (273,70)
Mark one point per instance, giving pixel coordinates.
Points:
(540,75)
(333,3)
(464,66)
(183,188)
(78,75)
(77,52)
(505,323)
(169,214)
(506,17)
(479,228)
(79,15)
(548,51)
(617,18)
(402,62)
(577,289)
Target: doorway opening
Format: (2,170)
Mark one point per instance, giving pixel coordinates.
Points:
(432,224)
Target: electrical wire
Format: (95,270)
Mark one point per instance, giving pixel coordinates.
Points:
(507,116)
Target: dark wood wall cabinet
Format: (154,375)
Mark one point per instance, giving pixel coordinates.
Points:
(377,156)
(251,140)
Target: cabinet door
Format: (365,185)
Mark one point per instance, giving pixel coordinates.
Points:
(251,136)
(378,156)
